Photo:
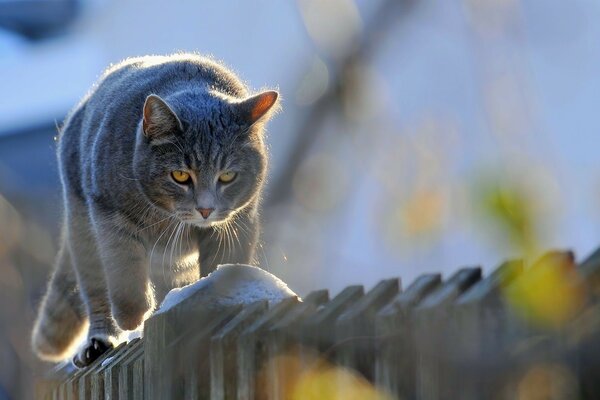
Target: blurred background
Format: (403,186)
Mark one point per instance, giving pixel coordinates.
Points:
(416,136)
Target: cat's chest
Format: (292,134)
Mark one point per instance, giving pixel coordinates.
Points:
(173,258)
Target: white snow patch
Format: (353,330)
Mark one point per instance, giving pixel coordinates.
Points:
(231,284)
(107,361)
(139,333)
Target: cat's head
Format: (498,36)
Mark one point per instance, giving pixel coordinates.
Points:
(200,156)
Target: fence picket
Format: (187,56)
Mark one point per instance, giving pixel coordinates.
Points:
(355,328)
(458,338)
(224,351)
(395,354)
(431,333)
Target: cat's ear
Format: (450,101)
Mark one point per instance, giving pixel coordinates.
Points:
(258,107)
(159,119)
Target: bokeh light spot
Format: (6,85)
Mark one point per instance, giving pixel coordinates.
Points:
(321,183)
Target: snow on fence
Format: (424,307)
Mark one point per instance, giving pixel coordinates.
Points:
(466,337)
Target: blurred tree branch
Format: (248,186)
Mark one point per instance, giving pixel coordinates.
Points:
(307,133)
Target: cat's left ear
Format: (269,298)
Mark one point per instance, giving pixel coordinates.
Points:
(258,107)
(159,119)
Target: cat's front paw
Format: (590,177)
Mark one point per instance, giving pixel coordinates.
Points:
(91,351)
(129,314)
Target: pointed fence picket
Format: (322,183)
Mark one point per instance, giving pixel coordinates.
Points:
(437,339)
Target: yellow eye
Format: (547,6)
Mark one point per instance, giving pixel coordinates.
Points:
(227,177)
(180,176)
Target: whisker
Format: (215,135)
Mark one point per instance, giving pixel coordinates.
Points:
(151,225)
(219,231)
(165,250)
(157,240)
(234,229)
(229,241)
(178,230)
(264,253)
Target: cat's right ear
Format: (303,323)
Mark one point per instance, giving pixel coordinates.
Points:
(159,119)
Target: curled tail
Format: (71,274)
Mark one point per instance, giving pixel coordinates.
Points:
(61,319)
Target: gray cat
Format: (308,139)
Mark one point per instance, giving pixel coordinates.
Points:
(162,166)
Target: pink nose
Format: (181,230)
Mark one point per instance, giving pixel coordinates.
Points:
(205,212)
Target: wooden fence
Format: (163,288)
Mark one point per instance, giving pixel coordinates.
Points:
(465,337)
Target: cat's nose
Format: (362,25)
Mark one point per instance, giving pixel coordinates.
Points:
(205,212)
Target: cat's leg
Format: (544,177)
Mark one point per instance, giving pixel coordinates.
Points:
(126,266)
(103,333)
(61,318)
(229,245)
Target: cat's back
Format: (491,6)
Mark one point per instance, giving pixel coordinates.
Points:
(119,94)
(159,74)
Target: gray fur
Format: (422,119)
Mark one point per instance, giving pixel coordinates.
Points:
(131,233)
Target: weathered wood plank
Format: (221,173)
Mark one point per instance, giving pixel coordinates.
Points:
(84,383)
(285,355)
(479,328)
(138,379)
(111,370)
(169,351)
(72,385)
(318,330)
(252,350)
(97,378)
(355,328)
(590,270)
(196,354)
(124,370)
(585,330)
(395,354)
(223,351)
(431,319)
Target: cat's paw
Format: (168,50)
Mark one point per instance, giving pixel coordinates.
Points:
(91,351)
(130,315)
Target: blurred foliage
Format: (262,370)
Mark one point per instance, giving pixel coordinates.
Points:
(548,382)
(510,208)
(304,375)
(549,293)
